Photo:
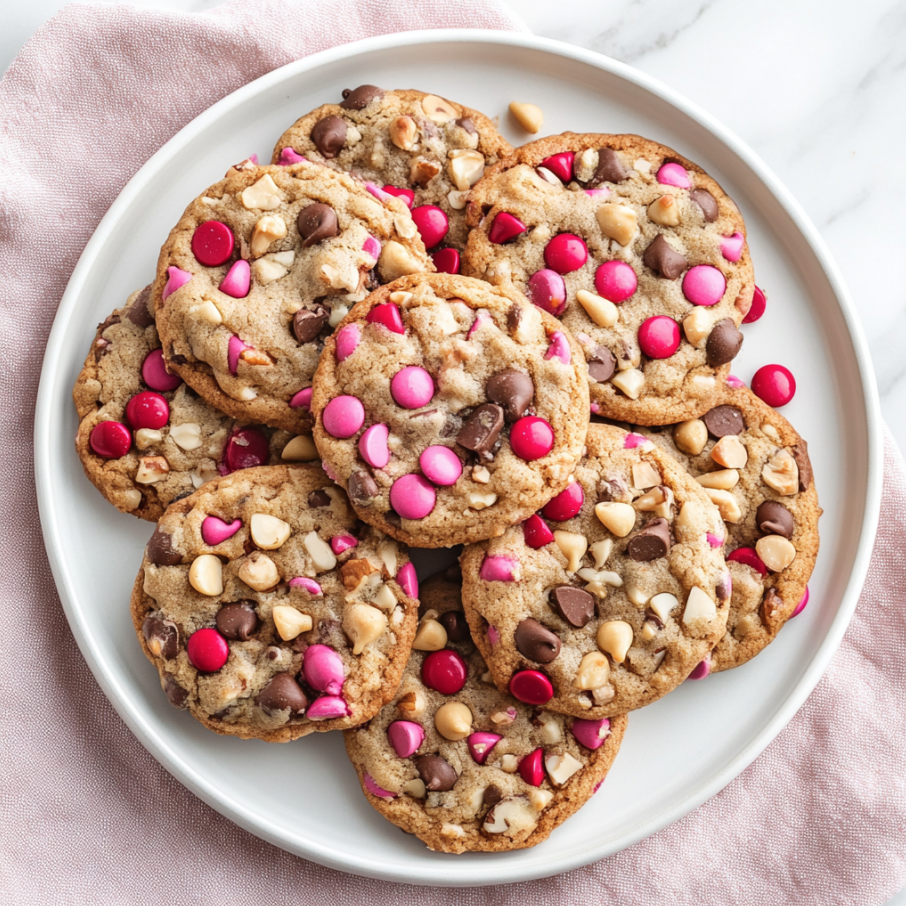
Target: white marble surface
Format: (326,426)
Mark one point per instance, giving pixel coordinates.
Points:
(816,87)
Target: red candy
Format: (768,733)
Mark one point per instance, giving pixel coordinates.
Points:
(147,410)
(759,301)
(446,261)
(616,281)
(561,165)
(504,228)
(432,224)
(387,315)
(801,605)
(247,447)
(748,556)
(531,438)
(110,440)
(659,337)
(155,374)
(566,504)
(774,384)
(208,650)
(531,687)
(531,768)
(565,253)
(406,195)
(536,532)
(212,243)
(445,671)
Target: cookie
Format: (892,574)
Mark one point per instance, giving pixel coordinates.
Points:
(638,252)
(464,766)
(259,270)
(449,409)
(613,594)
(145,439)
(755,467)
(424,149)
(269,611)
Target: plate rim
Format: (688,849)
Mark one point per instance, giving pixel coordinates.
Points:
(444,874)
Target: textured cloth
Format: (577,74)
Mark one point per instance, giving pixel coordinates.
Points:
(88,817)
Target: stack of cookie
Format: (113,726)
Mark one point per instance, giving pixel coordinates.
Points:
(403,333)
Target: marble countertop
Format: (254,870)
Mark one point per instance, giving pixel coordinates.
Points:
(815,90)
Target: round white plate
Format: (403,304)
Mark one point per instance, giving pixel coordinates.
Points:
(304,796)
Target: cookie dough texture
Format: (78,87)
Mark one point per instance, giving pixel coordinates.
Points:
(462,332)
(110,377)
(653,620)
(614,186)
(243,355)
(358,586)
(405,139)
(775,470)
(463,818)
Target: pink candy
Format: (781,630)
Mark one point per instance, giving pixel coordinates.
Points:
(246,448)
(561,165)
(480,745)
(547,290)
(215,531)
(590,733)
(408,580)
(377,192)
(616,281)
(444,671)
(288,156)
(674,175)
(659,337)
(340,543)
(432,224)
(701,670)
(481,318)
(348,341)
(440,465)
(531,768)
(405,736)
(327,707)
(376,790)
(175,279)
(302,399)
(373,446)
(147,410)
(756,309)
(565,253)
(493,635)
(412,497)
(531,687)
(801,605)
(566,504)
(406,195)
(704,285)
(504,228)
(734,382)
(713,540)
(207,650)
(731,247)
(387,315)
(748,556)
(631,441)
(446,261)
(500,568)
(531,438)
(774,384)
(536,532)
(110,440)
(343,416)
(235,349)
(309,585)
(212,243)
(155,374)
(238,280)
(412,387)
(323,669)
(372,247)
(559,348)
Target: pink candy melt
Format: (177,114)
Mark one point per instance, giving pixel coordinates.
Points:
(444,671)
(376,790)
(493,635)
(748,556)
(713,540)
(446,261)
(372,247)
(412,387)
(432,224)
(499,569)
(407,196)
(323,669)
(481,318)
(348,341)
(207,650)
(175,279)
(704,285)
(147,410)
(238,280)
(155,374)
(774,384)
(590,733)
(302,399)
(756,310)
(215,531)
(561,165)
(408,580)
(235,349)
(387,315)
(110,440)
(701,670)
(531,687)
(731,247)
(801,605)
(212,243)
(734,382)
(373,446)
(378,193)
(340,543)
(531,438)
(247,448)
(343,416)
(547,290)
(412,497)
(536,532)
(631,441)
(616,281)
(565,253)
(440,465)
(288,156)
(504,228)
(559,348)
(659,337)
(309,585)
(566,504)
(327,707)
(674,175)
(480,745)
(405,736)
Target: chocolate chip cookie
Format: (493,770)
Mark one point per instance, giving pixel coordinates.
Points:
(464,766)
(269,611)
(610,596)
(449,409)
(639,253)
(260,269)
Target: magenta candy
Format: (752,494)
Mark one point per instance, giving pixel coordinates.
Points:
(309,585)
(616,281)
(600,191)
(731,247)
(440,465)
(801,605)
(340,543)
(590,733)
(327,707)
(500,568)
(493,635)
(432,224)
(373,446)
(774,384)
(247,448)
(387,315)
(704,285)
(215,531)
(531,768)
(348,341)
(412,387)
(659,337)
(147,410)
(504,228)
(288,156)
(734,382)
(480,745)
(631,441)
(536,532)
(408,580)
(343,416)
(207,650)
(565,253)
(566,504)
(110,440)
(674,175)
(407,196)
(531,687)
(377,192)
(175,279)
(559,348)
(445,671)
(323,669)
(412,497)
(328,471)
(531,438)
(155,374)
(212,243)
(302,399)
(481,318)
(547,290)
(372,247)
(446,261)
(405,737)
(235,349)
(701,670)
(376,790)
(756,310)
(713,540)
(561,165)
(748,556)
(238,280)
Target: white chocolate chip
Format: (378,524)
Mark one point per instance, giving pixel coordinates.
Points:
(540,799)
(697,326)
(509,763)
(388,551)
(320,552)
(431,636)
(187,436)
(480,500)
(266,270)
(202,475)
(511,816)
(601,551)
(649,631)
(722,479)
(147,437)
(771,432)
(776,552)
(618,518)
(438,110)
(132,498)
(602,311)
(550,731)
(586,164)
(630,382)
(658,500)
(688,515)
(730,452)
(339,312)
(259,572)
(699,607)
(637,596)
(529,116)
(573,546)
(617,222)
(263,195)
(403,133)
(415,788)
(549,177)
(593,672)
(726,503)
(152,469)
(405,225)
(781,473)
(400,297)
(599,581)
(452,830)
(644,475)
(207,311)
(363,624)
(642,166)
(615,638)
(663,605)
(269,532)
(480,475)
(465,168)
(385,598)
(290,622)
(206,575)
(397,261)
(300,449)
(665,211)
(561,767)
(453,721)
(266,230)
(691,436)
(457,199)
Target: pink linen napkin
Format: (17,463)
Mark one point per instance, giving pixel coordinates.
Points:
(88,817)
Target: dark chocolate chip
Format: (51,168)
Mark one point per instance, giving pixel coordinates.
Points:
(362,488)
(237,621)
(316,223)
(654,618)
(513,318)
(536,642)
(575,605)
(611,489)
(329,136)
(800,454)
(283,692)
(724,343)
(722,421)
(513,390)
(272,652)
(651,542)
(161,637)
(175,693)
(724,589)
(610,168)
(318,498)
(359,98)
(491,795)
(663,259)
(481,429)
(706,201)
(465,123)
(308,323)
(454,621)
(160,550)
(437,774)
(773,518)
(139,312)
(602,364)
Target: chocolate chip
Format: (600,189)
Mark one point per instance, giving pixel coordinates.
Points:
(651,542)
(161,636)
(574,605)
(724,420)
(663,259)
(800,454)
(654,618)
(513,318)
(454,621)
(272,652)
(283,692)
(108,322)
(160,550)
(610,168)
(237,621)
(308,323)
(362,488)
(318,498)
(101,348)
(359,98)
(437,774)
(771,607)
(178,360)
(491,795)
(513,390)
(724,343)
(481,429)
(536,642)
(175,693)
(602,364)
(329,136)
(139,312)
(705,200)
(611,489)
(774,518)
(724,589)
(465,123)
(316,223)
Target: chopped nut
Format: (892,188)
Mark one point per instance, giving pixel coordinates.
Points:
(781,473)
(601,550)
(573,546)
(602,311)
(586,164)
(593,672)
(771,432)
(412,704)
(637,596)
(388,551)
(363,624)
(457,199)
(722,479)
(730,452)
(152,469)
(618,518)
(397,261)
(259,572)
(438,110)
(691,436)
(599,581)
(320,552)
(401,298)
(617,222)
(404,133)
(727,505)
(480,474)
(452,830)
(422,170)
(206,575)
(699,607)
(697,326)
(541,799)
(503,717)
(509,763)
(465,168)
(431,636)
(147,437)
(290,622)
(529,116)
(355,572)
(269,532)
(133,498)
(209,312)
(453,721)
(549,177)
(665,211)
(385,598)
(550,732)
(255,357)
(658,500)
(186,436)
(644,475)
(300,449)
(263,195)
(480,500)
(776,552)
(266,230)
(561,767)
(615,638)
(630,382)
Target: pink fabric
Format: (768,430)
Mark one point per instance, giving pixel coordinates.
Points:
(88,816)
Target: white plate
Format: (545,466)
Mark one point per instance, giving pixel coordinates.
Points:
(303,796)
